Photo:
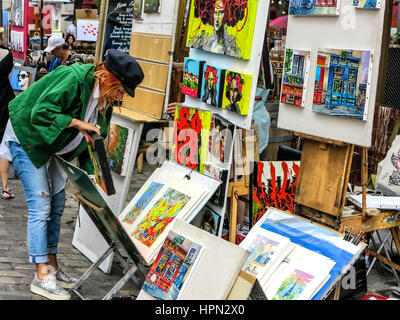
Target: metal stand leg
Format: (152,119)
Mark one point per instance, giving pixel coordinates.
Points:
(120,283)
(127,268)
(378,251)
(388,256)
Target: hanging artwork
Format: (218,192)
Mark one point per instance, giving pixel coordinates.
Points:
(314,7)
(212,85)
(218,173)
(223,26)
(192,77)
(17,41)
(190,139)
(86,30)
(220,140)
(171,269)
(163,212)
(342,82)
(118,144)
(142,203)
(236,97)
(273,184)
(137,9)
(208,220)
(152,6)
(17,12)
(295,76)
(367,4)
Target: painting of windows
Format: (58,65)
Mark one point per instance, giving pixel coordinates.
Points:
(192,77)
(342,83)
(314,7)
(295,76)
(222,26)
(367,4)
(273,184)
(212,85)
(163,212)
(190,139)
(172,267)
(237,89)
(118,144)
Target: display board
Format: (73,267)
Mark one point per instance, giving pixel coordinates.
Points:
(353,31)
(244,68)
(19,28)
(87,239)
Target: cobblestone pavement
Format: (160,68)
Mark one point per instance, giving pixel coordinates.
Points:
(16,273)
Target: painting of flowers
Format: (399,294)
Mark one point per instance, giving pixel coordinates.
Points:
(192,77)
(236,96)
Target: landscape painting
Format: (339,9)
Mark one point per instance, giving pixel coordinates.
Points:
(342,81)
(222,26)
(295,76)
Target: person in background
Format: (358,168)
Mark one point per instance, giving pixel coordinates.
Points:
(70,39)
(71,29)
(61,54)
(6,95)
(53,117)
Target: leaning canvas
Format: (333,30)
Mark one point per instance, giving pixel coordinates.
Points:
(236,95)
(207,219)
(192,77)
(314,7)
(295,77)
(222,26)
(342,83)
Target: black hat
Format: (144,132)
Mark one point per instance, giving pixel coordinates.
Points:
(125,68)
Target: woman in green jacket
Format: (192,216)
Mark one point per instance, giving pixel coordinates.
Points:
(53,117)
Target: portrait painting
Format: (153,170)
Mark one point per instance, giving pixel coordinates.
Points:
(236,97)
(212,85)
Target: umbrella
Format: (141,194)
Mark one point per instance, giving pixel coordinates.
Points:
(279,23)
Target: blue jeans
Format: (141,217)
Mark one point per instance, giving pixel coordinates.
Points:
(44,209)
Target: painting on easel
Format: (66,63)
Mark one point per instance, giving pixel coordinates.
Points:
(342,81)
(222,26)
(213,85)
(314,7)
(273,185)
(236,97)
(192,77)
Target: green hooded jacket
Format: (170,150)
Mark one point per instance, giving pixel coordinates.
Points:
(41,114)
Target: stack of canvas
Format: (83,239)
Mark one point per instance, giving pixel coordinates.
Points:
(284,270)
(185,267)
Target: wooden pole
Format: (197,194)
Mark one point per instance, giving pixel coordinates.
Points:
(364,179)
(233,217)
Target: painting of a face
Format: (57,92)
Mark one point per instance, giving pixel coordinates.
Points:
(23,79)
(219,13)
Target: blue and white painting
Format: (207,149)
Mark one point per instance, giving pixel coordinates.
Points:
(367,4)
(314,7)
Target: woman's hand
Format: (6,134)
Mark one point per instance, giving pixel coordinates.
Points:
(84,128)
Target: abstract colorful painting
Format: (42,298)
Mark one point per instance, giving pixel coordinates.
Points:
(164,211)
(152,6)
(213,85)
(314,7)
(190,139)
(222,26)
(236,97)
(273,184)
(172,267)
(118,144)
(342,82)
(142,203)
(261,250)
(86,30)
(293,286)
(208,220)
(220,140)
(295,76)
(192,77)
(367,4)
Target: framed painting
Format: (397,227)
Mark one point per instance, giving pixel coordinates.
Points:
(342,83)
(171,269)
(190,138)
(86,30)
(314,7)
(22,77)
(222,26)
(236,96)
(192,77)
(17,12)
(273,184)
(208,220)
(215,171)
(295,77)
(152,6)
(367,4)
(118,144)
(212,85)
(220,140)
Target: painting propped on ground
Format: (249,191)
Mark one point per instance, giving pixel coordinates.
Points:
(273,184)
(295,76)
(172,267)
(314,7)
(222,26)
(342,82)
